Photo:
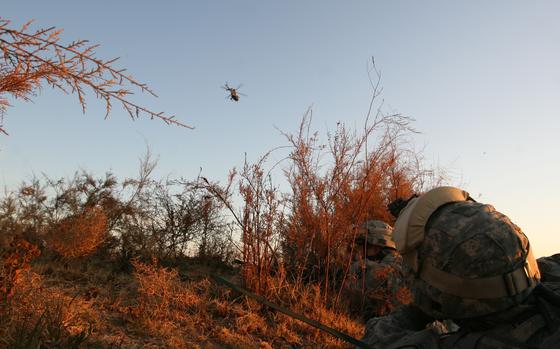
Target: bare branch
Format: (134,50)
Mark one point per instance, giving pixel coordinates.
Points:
(30,59)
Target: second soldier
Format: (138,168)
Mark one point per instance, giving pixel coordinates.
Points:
(375,284)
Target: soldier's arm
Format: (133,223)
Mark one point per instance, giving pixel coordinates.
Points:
(550,268)
(406,320)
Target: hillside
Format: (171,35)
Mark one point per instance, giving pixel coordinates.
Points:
(87,304)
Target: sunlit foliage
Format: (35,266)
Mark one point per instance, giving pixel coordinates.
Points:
(30,59)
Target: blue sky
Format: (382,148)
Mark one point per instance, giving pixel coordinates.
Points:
(481,79)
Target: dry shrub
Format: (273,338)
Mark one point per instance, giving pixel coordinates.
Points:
(308,233)
(186,314)
(285,330)
(160,290)
(79,235)
(32,58)
(39,316)
(264,345)
(33,315)
(308,300)
(252,323)
(306,237)
(297,247)
(14,262)
(256,220)
(166,308)
(336,187)
(110,219)
(231,339)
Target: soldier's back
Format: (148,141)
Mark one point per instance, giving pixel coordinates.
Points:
(534,324)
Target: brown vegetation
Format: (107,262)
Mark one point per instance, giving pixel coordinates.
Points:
(58,307)
(31,314)
(15,261)
(305,237)
(125,263)
(78,235)
(294,249)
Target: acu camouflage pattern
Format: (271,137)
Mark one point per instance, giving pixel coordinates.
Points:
(406,324)
(470,240)
(535,323)
(405,321)
(532,322)
(378,233)
(378,287)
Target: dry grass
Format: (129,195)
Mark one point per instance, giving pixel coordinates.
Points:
(155,307)
(39,314)
(207,315)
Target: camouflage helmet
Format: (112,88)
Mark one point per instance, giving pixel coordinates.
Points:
(376,233)
(468,259)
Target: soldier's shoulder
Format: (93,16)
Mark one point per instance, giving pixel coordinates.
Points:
(392,257)
(550,268)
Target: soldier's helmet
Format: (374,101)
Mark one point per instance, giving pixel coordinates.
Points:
(376,233)
(468,259)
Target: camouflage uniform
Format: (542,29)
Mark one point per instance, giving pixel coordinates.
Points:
(470,264)
(375,286)
(548,266)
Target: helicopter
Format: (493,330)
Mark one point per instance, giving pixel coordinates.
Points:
(233,92)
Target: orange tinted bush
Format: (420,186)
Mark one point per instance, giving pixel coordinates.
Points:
(33,58)
(78,235)
(14,263)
